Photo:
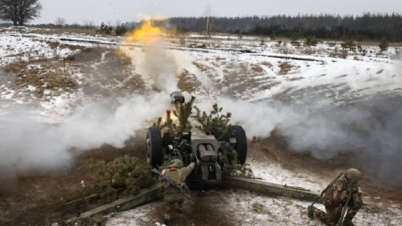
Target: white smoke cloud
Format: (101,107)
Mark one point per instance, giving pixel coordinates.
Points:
(27,144)
(161,66)
(258,119)
(157,63)
(371,129)
(326,131)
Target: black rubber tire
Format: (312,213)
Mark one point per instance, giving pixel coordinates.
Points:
(154,146)
(241,144)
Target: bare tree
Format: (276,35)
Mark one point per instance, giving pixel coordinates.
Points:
(208,15)
(60,22)
(89,24)
(9,10)
(20,11)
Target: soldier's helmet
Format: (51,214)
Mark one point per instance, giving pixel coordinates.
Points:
(177,98)
(176,163)
(353,174)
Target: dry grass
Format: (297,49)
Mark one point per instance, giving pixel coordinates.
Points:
(285,67)
(15,67)
(285,50)
(256,68)
(197,45)
(113,72)
(267,64)
(261,209)
(54,45)
(123,57)
(216,64)
(241,68)
(201,67)
(376,43)
(236,46)
(238,78)
(338,54)
(308,51)
(64,30)
(49,75)
(134,83)
(95,54)
(295,79)
(188,82)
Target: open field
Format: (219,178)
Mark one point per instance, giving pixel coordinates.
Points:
(309,112)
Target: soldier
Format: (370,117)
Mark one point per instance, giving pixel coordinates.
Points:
(340,194)
(172,196)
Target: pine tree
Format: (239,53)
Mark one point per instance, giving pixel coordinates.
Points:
(215,123)
(123,176)
(183,112)
(383,45)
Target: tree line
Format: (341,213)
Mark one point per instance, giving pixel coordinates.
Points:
(368,26)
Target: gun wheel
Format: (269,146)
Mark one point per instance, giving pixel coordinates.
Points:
(154,146)
(241,144)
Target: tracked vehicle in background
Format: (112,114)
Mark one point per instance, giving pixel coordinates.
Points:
(217,148)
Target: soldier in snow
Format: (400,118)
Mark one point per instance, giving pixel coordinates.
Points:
(172,196)
(340,197)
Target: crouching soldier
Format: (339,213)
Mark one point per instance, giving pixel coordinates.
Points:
(172,196)
(340,196)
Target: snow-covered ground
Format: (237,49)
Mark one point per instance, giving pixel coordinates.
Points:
(267,71)
(252,209)
(225,71)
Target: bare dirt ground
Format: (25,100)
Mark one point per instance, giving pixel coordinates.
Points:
(274,149)
(35,198)
(32,199)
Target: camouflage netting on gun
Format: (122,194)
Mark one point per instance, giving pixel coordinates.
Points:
(215,123)
(229,154)
(123,176)
(182,112)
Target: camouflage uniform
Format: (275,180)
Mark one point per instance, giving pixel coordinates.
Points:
(334,200)
(172,196)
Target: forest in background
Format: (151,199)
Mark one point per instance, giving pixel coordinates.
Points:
(369,26)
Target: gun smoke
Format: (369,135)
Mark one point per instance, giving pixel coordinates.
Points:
(371,129)
(27,144)
(156,66)
(161,67)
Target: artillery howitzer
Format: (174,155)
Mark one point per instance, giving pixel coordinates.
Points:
(216,146)
(219,150)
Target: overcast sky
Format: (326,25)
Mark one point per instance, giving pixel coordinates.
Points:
(110,11)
